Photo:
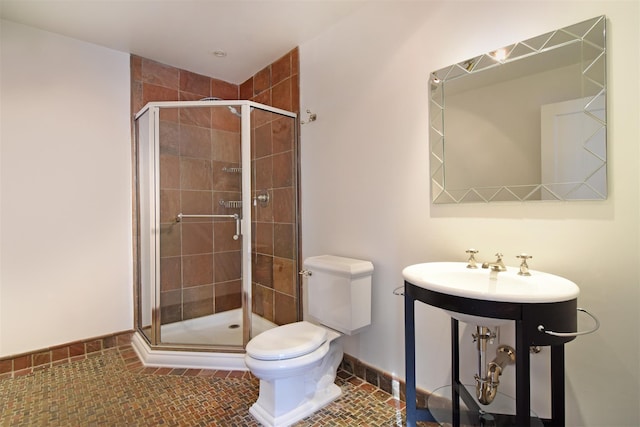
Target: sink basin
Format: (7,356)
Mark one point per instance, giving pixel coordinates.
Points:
(454,278)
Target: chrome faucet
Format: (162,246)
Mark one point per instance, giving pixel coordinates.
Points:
(498,265)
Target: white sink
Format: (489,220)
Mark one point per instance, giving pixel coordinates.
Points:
(453,278)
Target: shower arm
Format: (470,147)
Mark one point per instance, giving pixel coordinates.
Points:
(234,216)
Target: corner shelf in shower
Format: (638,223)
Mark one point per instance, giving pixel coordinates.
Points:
(231,170)
(231,204)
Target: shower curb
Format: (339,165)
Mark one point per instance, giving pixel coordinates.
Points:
(186,359)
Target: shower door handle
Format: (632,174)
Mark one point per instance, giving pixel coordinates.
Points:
(238,227)
(234,216)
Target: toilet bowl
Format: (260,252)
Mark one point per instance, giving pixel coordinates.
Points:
(297,363)
(297,379)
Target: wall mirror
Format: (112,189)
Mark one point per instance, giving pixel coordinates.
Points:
(524,122)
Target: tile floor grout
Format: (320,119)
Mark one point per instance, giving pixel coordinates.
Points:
(113,387)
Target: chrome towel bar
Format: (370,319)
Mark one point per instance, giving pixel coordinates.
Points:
(574,334)
(399,291)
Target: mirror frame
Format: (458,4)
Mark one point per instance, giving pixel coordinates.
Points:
(591,37)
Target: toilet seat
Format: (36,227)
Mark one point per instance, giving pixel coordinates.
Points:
(287,341)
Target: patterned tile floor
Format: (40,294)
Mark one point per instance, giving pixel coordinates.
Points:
(112,388)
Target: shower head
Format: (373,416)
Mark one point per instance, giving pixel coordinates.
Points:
(232,109)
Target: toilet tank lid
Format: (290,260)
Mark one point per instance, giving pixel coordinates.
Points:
(345,266)
(287,341)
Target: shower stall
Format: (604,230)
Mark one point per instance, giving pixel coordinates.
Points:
(217,229)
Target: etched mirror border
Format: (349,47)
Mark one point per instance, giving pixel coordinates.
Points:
(591,35)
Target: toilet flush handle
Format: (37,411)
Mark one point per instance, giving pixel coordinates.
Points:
(305,273)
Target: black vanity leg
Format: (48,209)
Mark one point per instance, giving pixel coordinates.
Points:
(523,387)
(410,359)
(557,386)
(455,373)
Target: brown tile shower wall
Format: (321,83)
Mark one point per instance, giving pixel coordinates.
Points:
(200,263)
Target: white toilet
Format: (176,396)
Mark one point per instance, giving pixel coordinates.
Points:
(297,363)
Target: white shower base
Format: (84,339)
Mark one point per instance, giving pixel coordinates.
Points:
(216,329)
(223,329)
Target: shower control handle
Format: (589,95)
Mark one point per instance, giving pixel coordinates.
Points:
(263,198)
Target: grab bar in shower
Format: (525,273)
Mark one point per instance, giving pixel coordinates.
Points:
(234,216)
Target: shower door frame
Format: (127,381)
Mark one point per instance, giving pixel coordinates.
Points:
(245,222)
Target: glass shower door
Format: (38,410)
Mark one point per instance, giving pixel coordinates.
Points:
(274,291)
(200,211)
(189,196)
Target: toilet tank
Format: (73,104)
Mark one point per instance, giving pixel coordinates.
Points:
(339,292)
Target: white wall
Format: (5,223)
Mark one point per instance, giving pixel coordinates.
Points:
(365,188)
(66,256)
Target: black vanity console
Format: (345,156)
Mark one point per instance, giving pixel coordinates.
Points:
(528,317)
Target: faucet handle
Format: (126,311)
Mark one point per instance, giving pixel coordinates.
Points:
(524,267)
(499,256)
(471,263)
